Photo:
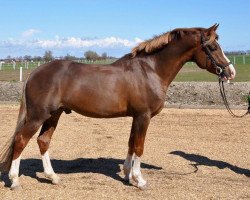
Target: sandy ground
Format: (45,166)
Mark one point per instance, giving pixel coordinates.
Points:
(189,154)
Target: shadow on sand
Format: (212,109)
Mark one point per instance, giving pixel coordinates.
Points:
(202,160)
(107,166)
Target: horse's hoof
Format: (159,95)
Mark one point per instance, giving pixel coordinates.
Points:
(126,178)
(16,187)
(143,187)
(55,180)
(131,181)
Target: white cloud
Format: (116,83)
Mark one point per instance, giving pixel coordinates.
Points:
(114,46)
(72,42)
(30,32)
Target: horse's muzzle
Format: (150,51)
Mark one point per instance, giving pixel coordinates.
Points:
(228,73)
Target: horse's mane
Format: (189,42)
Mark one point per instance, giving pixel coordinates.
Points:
(153,44)
(159,41)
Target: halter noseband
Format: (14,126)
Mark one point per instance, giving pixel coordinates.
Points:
(220,68)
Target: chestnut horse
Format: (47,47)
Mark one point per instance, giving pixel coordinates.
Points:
(134,86)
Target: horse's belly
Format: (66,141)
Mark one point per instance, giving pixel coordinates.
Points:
(98,105)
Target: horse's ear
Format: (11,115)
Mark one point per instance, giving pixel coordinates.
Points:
(217,25)
(213,28)
(211,34)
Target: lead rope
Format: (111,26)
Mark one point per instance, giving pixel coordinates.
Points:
(223,95)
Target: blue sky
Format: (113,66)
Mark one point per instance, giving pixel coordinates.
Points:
(30,27)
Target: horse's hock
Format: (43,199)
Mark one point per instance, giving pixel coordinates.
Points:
(179,94)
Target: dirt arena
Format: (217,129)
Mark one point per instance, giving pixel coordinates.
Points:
(189,154)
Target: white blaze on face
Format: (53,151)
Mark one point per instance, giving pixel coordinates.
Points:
(231,67)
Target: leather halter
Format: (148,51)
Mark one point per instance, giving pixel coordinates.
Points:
(220,68)
(220,71)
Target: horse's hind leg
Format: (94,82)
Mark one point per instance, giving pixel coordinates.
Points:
(43,141)
(21,139)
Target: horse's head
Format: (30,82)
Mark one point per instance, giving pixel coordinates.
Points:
(209,55)
(199,44)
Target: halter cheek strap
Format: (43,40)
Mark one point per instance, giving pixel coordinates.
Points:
(220,68)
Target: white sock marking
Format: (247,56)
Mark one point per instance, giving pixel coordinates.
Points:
(14,172)
(137,172)
(48,170)
(127,167)
(14,169)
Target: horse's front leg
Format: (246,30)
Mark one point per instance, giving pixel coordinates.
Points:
(136,147)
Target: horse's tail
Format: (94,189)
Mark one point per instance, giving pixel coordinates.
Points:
(6,153)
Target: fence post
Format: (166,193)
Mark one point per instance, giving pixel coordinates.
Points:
(244,60)
(234,60)
(14,65)
(0,65)
(21,74)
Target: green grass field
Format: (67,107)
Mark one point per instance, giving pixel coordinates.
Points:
(239,59)
(189,72)
(32,65)
(8,73)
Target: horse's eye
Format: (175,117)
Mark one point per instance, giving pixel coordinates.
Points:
(212,47)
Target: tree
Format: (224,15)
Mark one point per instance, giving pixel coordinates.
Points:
(91,55)
(69,57)
(8,59)
(27,58)
(48,56)
(37,58)
(104,55)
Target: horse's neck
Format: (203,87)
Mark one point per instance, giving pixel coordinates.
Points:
(170,60)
